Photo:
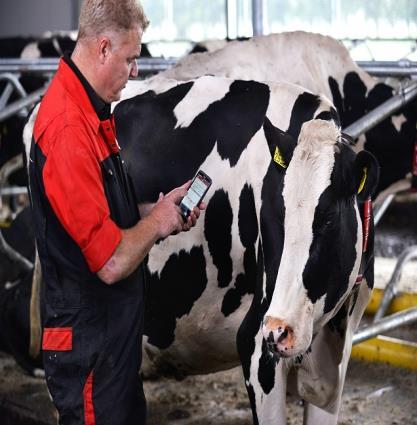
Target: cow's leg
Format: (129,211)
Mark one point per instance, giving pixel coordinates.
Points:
(323,370)
(265,377)
(313,415)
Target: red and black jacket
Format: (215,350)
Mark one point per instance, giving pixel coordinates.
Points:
(81,194)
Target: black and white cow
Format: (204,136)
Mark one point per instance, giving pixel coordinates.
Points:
(322,65)
(273,263)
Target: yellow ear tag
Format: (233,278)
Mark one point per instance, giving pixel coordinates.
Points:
(362,184)
(278,158)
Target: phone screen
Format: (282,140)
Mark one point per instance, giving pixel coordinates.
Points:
(195,193)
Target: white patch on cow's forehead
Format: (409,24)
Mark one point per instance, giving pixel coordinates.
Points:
(203,93)
(309,172)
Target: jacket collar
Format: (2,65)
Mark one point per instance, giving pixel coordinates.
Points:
(101,108)
(76,91)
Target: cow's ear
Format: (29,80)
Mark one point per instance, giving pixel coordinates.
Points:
(281,144)
(366,174)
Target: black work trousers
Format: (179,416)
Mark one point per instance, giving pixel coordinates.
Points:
(92,357)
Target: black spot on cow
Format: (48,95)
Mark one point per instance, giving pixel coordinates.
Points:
(329,265)
(393,148)
(248,231)
(12,47)
(330,115)
(240,115)
(218,232)
(198,48)
(201,47)
(250,325)
(266,369)
(55,46)
(144,51)
(165,302)
(338,322)
(272,209)
(162,157)
(354,101)
(354,295)
(272,224)
(337,96)
(248,223)
(146,147)
(302,111)
(277,138)
(352,105)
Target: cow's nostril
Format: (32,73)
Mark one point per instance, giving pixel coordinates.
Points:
(283,335)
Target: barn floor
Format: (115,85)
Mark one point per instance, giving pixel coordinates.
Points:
(374,393)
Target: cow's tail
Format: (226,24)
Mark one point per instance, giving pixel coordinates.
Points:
(35,310)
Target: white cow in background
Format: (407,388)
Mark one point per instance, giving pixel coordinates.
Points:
(323,65)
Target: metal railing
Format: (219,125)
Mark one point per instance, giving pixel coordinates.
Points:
(403,68)
(50,65)
(405,94)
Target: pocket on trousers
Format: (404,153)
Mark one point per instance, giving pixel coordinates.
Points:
(57,339)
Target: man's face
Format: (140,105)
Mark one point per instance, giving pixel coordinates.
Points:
(121,63)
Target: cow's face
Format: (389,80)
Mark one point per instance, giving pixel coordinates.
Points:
(392,140)
(323,237)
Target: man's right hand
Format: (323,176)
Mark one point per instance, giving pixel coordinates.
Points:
(166,214)
(160,221)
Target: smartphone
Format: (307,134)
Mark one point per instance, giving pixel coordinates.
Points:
(199,187)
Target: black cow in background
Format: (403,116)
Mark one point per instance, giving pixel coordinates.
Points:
(15,294)
(25,48)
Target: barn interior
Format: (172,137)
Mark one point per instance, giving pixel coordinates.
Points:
(381,38)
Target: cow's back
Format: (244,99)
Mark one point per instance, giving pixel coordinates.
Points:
(302,58)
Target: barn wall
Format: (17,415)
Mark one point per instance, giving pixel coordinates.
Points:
(25,17)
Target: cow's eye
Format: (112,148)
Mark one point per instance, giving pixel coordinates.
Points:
(325,224)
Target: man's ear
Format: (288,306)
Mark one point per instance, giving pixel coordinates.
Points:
(104,46)
(366,174)
(281,145)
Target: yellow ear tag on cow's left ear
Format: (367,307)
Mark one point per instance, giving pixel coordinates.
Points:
(362,183)
(278,158)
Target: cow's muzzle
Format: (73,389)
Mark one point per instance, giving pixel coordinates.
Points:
(279,336)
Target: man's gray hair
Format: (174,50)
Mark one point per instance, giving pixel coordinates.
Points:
(101,16)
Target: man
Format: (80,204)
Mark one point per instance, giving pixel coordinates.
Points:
(90,240)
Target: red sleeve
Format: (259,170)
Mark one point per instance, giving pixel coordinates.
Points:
(74,187)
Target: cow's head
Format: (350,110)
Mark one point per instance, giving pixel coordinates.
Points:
(392,141)
(322,236)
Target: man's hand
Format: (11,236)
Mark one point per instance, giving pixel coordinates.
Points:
(176,195)
(159,221)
